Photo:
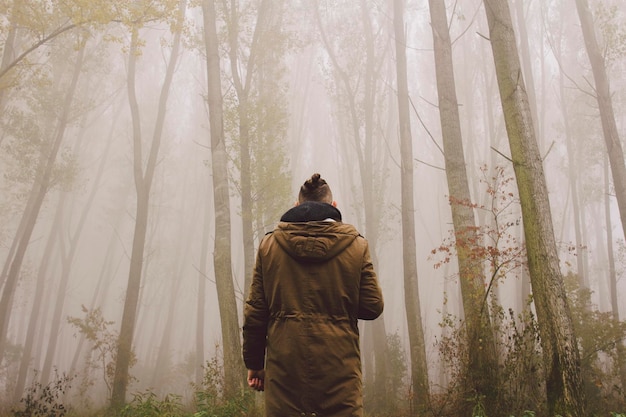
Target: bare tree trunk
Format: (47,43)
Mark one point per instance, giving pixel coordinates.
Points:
(419,369)
(143,185)
(108,269)
(605,104)
(163,362)
(573,170)
(201,301)
(231,341)
(621,350)
(33,321)
(243,89)
(482,378)
(38,193)
(361,125)
(67,260)
(527,67)
(561,355)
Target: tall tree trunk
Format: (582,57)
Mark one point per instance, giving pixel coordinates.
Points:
(201,300)
(38,193)
(621,349)
(527,66)
(67,260)
(243,88)
(143,185)
(361,123)
(419,370)
(109,268)
(33,320)
(482,378)
(605,105)
(163,362)
(573,169)
(561,356)
(231,341)
(371,203)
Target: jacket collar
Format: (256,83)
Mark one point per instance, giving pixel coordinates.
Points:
(311,211)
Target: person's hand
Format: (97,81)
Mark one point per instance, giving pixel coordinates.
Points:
(256,379)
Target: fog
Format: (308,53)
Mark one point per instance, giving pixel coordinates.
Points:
(315,104)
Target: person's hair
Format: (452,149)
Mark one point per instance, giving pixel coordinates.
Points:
(315,189)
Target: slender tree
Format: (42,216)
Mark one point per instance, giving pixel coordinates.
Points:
(358,101)
(605,106)
(67,261)
(222,264)
(561,356)
(38,193)
(243,87)
(33,320)
(143,177)
(419,369)
(256,74)
(573,170)
(621,349)
(482,361)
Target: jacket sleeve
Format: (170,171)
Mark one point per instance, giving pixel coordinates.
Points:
(370,295)
(256,316)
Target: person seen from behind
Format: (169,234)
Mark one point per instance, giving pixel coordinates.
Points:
(312,281)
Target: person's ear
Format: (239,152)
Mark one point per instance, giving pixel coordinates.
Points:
(334,203)
(296,203)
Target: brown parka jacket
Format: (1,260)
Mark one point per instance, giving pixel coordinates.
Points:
(312,281)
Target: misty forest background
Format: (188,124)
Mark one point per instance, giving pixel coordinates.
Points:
(147,146)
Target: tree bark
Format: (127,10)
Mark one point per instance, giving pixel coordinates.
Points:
(231,341)
(561,356)
(419,369)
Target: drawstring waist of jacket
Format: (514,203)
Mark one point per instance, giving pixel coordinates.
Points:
(312,317)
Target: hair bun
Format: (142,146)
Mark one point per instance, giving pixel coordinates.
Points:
(314,182)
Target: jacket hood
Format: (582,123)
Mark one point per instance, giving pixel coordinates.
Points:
(314,241)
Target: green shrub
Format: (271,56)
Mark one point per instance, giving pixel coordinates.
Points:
(146,404)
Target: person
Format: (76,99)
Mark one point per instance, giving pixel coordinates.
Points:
(312,281)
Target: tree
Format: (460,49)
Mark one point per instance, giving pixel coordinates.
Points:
(143,177)
(32,25)
(257,122)
(41,185)
(419,369)
(243,87)
(36,307)
(222,264)
(355,82)
(605,106)
(561,355)
(482,361)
